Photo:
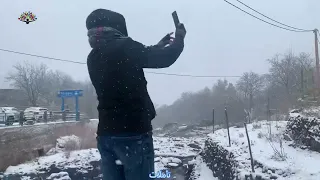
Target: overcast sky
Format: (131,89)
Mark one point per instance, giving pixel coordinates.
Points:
(221,40)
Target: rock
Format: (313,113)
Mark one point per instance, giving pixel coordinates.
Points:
(273,177)
(279,172)
(315,145)
(287,137)
(195,146)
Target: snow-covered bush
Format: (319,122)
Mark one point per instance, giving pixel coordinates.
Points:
(219,160)
(66,144)
(305,132)
(256,125)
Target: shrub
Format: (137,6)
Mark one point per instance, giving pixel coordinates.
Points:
(241,135)
(219,160)
(304,132)
(279,153)
(256,125)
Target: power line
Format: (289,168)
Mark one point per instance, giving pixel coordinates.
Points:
(44,57)
(77,62)
(273,19)
(187,75)
(262,19)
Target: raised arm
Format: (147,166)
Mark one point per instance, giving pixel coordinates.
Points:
(158,56)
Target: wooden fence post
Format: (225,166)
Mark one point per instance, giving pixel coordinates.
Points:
(227,123)
(249,144)
(213,120)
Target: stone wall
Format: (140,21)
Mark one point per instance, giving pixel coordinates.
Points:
(20,144)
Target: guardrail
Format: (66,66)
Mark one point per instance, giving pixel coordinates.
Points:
(51,116)
(67,115)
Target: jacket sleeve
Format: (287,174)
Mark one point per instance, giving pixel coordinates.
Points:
(155,56)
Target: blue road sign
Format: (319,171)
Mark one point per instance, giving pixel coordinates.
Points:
(70,93)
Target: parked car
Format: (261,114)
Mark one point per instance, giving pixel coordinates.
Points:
(12,110)
(34,113)
(6,117)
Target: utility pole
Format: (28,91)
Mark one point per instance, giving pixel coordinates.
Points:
(317,79)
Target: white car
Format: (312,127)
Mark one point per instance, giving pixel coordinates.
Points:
(14,111)
(6,117)
(34,113)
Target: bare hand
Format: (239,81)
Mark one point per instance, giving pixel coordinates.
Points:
(167,40)
(181,31)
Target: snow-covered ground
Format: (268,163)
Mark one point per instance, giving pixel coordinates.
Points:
(202,171)
(274,157)
(171,152)
(290,163)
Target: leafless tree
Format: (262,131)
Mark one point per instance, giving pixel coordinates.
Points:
(283,71)
(31,79)
(292,73)
(249,85)
(306,72)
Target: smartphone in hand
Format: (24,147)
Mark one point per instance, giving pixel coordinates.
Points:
(175,18)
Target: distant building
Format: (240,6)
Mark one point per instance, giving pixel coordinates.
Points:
(14,98)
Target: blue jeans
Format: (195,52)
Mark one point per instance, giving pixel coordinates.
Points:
(126,157)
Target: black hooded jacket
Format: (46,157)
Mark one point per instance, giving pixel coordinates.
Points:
(115,66)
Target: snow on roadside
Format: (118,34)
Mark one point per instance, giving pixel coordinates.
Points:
(77,159)
(16,125)
(298,164)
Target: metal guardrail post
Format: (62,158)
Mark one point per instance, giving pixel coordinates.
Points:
(64,115)
(21,118)
(77,116)
(6,119)
(45,116)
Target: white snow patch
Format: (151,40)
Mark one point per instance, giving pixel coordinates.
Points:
(64,144)
(25,178)
(173,164)
(202,171)
(175,146)
(118,162)
(182,127)
(59,176)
